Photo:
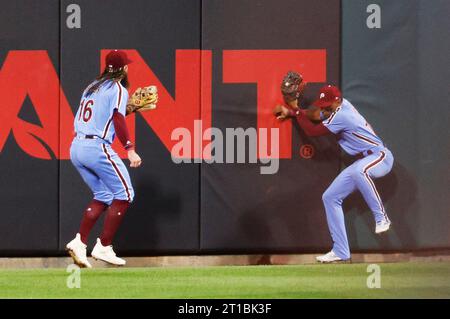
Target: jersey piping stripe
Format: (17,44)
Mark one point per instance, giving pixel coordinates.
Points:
(106,128)
(119,174)
(365,139)
(332,116)
(105,131)
(120,95)
(365,171)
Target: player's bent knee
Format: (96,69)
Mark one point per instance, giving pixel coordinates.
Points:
(327,196)
(330,196)
(106,198)
(106,202)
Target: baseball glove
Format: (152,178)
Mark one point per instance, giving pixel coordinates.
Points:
(292,86)
(143,99)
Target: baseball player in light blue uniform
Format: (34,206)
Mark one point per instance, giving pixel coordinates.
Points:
(356,137)
(98,164)
(101,116)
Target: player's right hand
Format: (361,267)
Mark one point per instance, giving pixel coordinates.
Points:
(135,159)
(281,112)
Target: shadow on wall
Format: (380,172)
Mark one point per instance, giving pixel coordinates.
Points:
(293,206)
(326,147)
(398,190)
(151,204)
(296,209)
(290,229)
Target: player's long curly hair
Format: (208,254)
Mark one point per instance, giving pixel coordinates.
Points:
(109,74)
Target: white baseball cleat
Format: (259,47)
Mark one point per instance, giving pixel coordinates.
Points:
(329,257)
(106,254)
(382,226)
(77,250)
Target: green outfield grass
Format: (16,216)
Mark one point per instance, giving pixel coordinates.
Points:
(399,280)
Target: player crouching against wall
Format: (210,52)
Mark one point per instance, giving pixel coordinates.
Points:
(356,137)
(100,117)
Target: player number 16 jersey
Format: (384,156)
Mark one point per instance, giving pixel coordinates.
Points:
(95,113)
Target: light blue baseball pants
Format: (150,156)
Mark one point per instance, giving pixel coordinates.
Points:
(359,176)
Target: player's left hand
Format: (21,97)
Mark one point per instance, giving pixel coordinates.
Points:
(135,159)
(292,86)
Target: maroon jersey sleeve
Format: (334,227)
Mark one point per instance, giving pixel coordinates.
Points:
(120,126)
(308,127)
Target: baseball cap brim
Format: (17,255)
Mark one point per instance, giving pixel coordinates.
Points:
(128,61)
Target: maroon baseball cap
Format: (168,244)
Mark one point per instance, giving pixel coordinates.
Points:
(327,95)
(117,59)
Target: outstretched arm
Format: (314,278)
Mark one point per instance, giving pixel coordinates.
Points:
(313,113)
(303,118)
(309,128)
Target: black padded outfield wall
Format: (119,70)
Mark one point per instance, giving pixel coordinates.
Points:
(254,44)
(29,120)
(43,194)
(218,64)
